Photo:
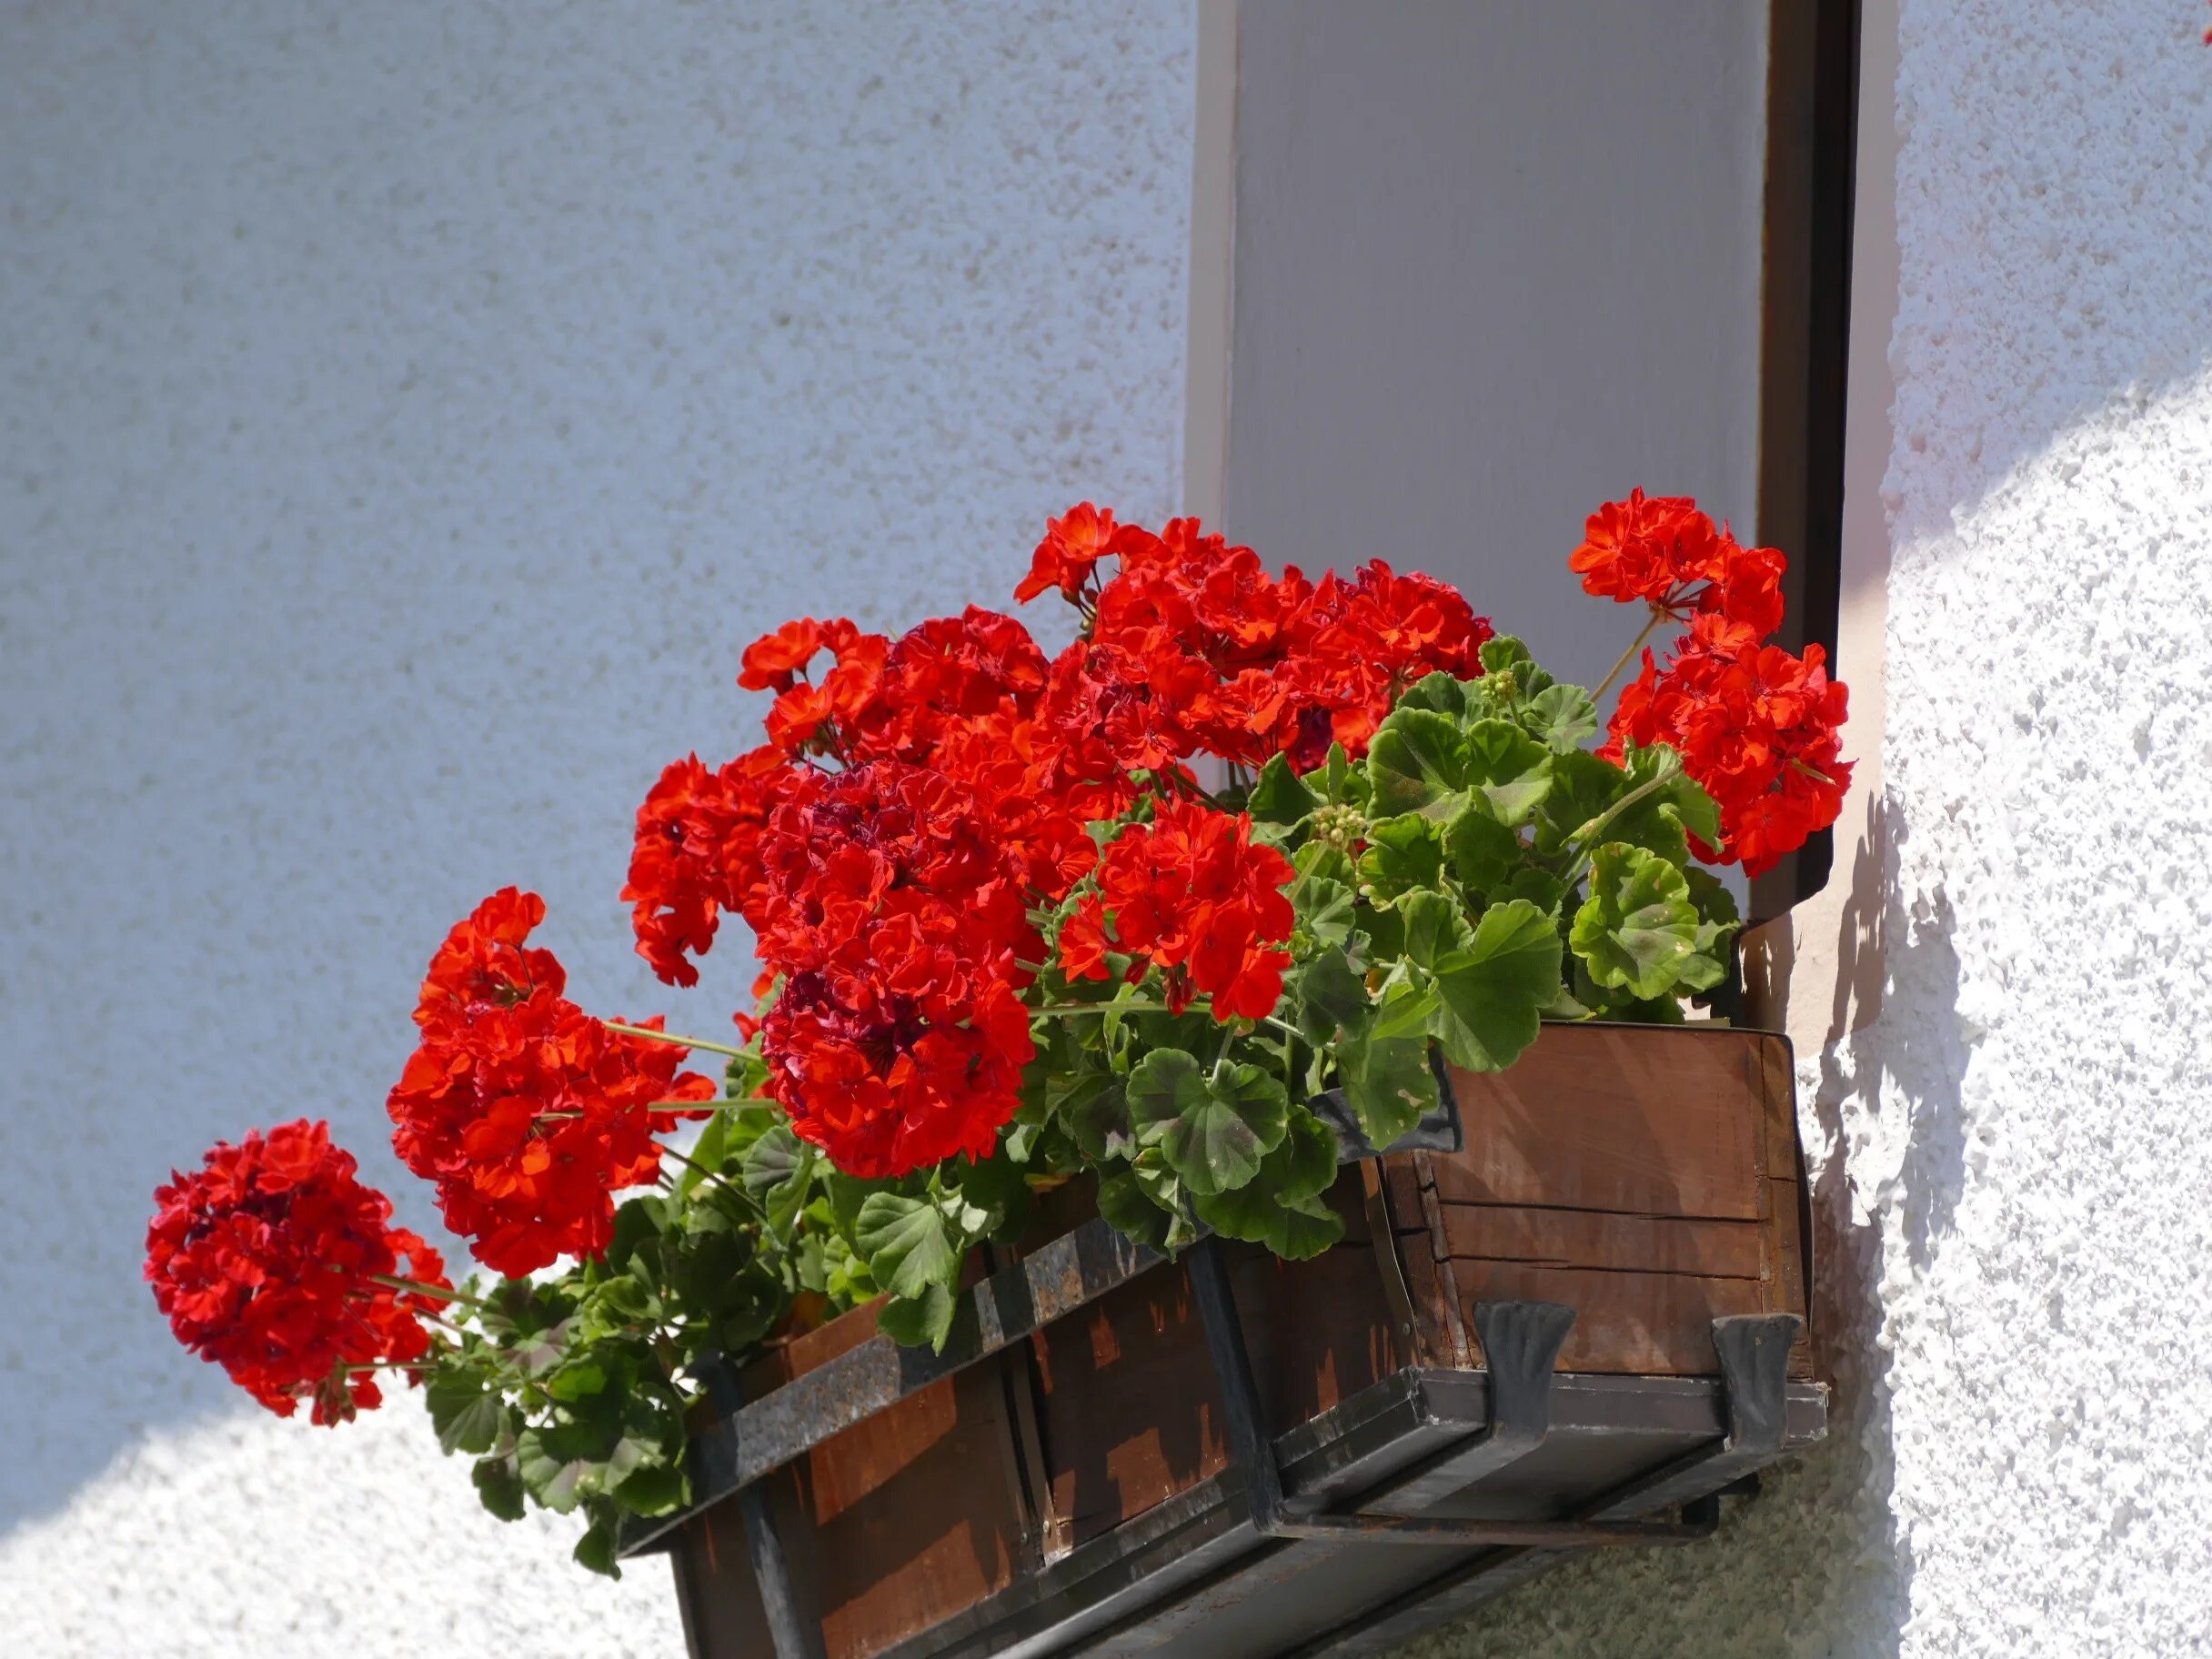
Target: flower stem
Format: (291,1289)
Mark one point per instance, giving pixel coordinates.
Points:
(1657,616)
(693,1164)
(1102,1008)
(437,1292)
(1585,835)
(669,1036)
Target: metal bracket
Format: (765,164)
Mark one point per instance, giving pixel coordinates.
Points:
(1754,1351)
(1520,1342)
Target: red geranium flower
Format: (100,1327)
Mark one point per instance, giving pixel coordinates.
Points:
(898,916)
(266,1259)
(1191,893)
(1755,725)
(527,1113)
(1072,548)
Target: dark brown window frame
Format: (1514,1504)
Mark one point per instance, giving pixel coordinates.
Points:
(1812,76)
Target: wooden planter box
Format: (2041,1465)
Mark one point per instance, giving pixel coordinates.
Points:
(1086,1470)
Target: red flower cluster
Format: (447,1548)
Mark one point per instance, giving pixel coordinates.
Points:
(1194,647)
(265,1260)
(959,695)
(527,1113)
(1661,550)
(1756,726)
(896,915)
(1190,893)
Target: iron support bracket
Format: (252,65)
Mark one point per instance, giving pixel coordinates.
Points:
(1520,1343)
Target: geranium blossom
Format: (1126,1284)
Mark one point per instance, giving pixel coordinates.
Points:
(266,1261)
(1193,894)
(1755,726)
(525,1111)
(897,919)
(1195,648)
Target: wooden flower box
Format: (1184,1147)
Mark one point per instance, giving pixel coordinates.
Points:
(1573,1332)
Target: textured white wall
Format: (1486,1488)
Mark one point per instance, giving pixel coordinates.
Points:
(2011,1160)
(407,410)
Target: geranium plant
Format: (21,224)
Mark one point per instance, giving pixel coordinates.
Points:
(1121,913)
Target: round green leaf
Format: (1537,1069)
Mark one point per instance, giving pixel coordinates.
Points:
(1638,928)
(1495,987)
(906,1244)
(1508,770)
(1214,1127)
(1417,763)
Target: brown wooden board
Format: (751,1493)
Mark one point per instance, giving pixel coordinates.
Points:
(893,1525)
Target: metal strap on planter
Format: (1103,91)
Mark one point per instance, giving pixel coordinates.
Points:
(1520,1343)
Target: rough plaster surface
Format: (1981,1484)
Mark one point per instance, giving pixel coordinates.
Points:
(2010,1161)
(407,411)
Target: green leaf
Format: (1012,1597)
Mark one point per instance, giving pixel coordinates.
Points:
(1485,853)
(1277,796)
(1638,926)
(1384,1069)
(499,1486)
(1094,1106)
(1443,694)
(1435,929)
(998,1188)
(911,1321)
(466,1412)
(1326,909)
(553,1471)
(1130,1214)
(1404,1004)
(1563,718)
(1507,770)
(652,1488)
(1582,786)
(1279,1207)
(1716,924)
(778,1171)
(1401,857)
(596,1549)
(1323,861)
(1418,763)
(1326,995)
(1341,783)
(1214,1127)
(906,1244)
(1683,801)
(1541,887)
(707,1152)
(1494,981)
(1504,654)
(580,1378)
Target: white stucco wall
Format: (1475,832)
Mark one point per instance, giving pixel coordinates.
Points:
(407,411)
(2015,1190)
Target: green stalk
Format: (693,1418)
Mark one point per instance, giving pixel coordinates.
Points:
(1588,834)
(436,1292)
(670,1037)
(1657,616)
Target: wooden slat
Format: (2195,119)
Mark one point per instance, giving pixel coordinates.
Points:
(1622,1243)
(1626,1324)
(1128,1410)
(1605,1118)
